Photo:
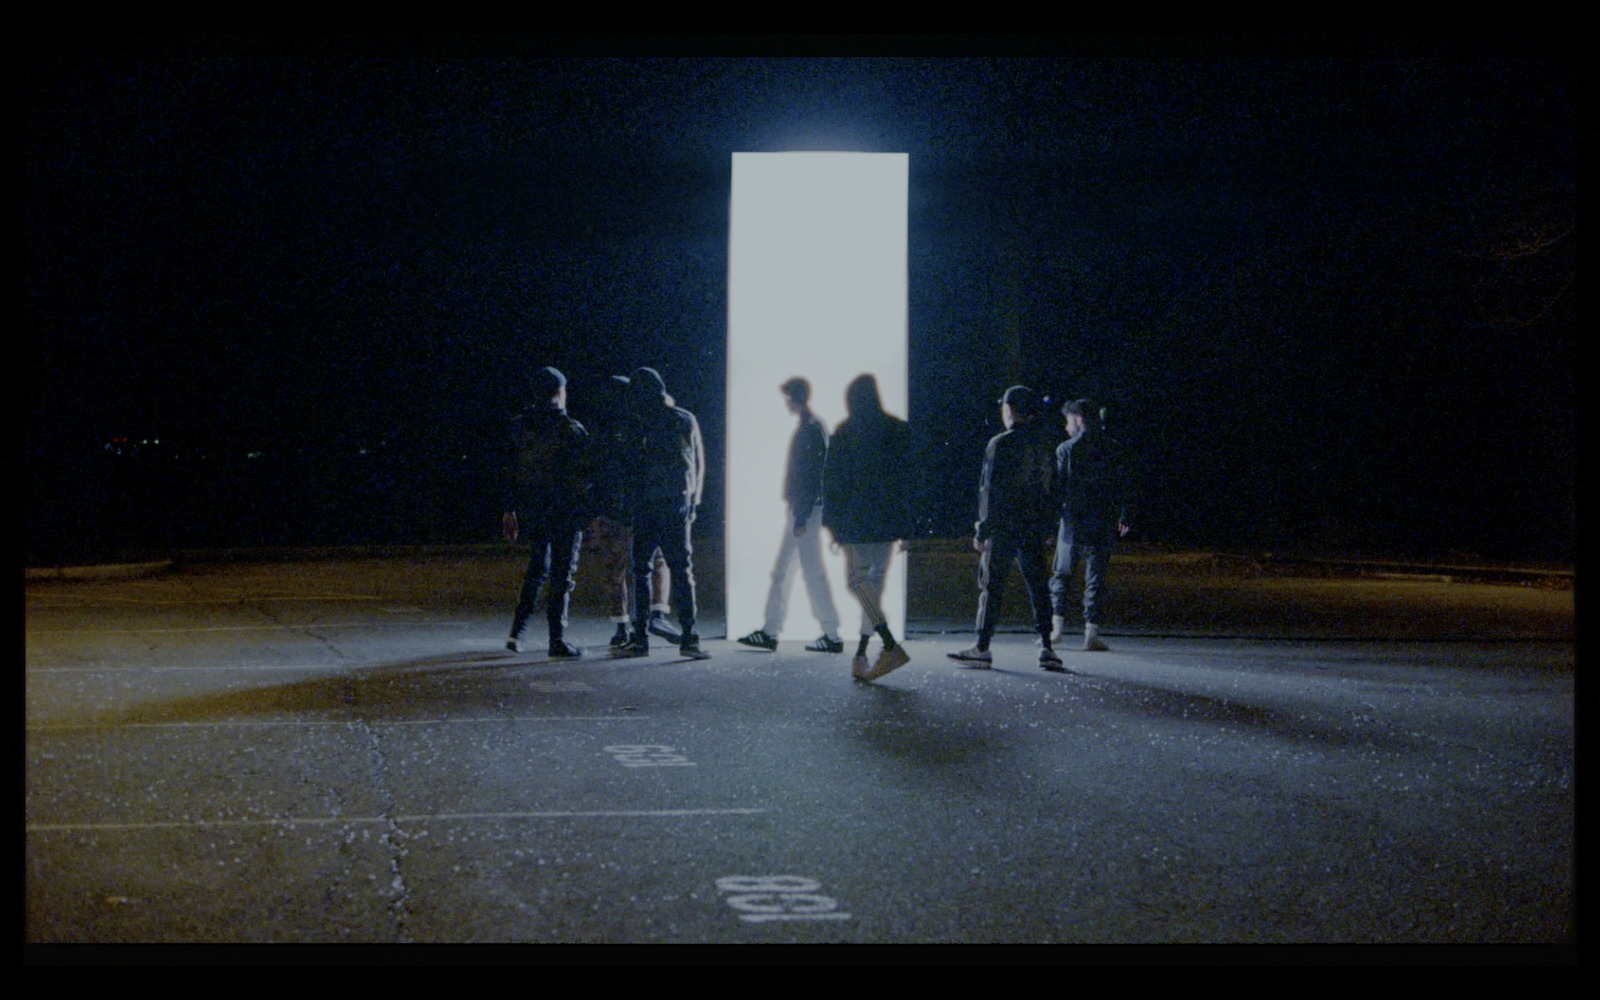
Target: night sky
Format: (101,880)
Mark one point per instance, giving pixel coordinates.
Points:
(1327,296)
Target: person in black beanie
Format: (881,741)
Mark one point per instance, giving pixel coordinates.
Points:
(664,478)
(547,480)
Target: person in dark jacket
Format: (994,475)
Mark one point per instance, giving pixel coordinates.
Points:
(1090,484)
(664,478)
(547,480)
(866,504)
(802,488)
(1016,512)
(609,533)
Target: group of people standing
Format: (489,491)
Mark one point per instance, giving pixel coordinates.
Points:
(636,489)
(638,486)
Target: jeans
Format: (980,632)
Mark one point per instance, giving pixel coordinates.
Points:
(554,549)
(1096,560)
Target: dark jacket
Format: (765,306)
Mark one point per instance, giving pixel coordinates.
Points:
(666,458)
(1091,486)
(808,453)
(1016,494)
(547,474)
(866,480)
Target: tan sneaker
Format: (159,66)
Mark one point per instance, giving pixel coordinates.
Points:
(889,659)
(859,667)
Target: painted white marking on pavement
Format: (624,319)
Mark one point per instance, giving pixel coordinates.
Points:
(241,599)
(344,722)
(762,899)
(247,628)
(648,755)
(570,685)
(413,818)
(228,668)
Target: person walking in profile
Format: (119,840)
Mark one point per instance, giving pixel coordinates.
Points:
(1016,512)
(547,480)
(1091,487)
(802,535)
(866,504)
(609,532)
(664,480)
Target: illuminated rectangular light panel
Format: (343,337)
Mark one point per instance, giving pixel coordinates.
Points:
(816,288)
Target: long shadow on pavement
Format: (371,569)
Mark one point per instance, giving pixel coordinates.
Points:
(397,690)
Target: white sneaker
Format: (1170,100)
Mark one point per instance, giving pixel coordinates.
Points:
(978,659)
(1091,640)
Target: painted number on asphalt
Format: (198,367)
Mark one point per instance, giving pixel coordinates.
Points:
(647,755)
(759,899)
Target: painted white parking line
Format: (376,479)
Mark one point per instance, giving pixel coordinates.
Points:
(124,668)
(329,667)
(79,602)
(248,628)
(411,818)
(351,723)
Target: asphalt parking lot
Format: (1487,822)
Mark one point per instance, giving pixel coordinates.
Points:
(341,750)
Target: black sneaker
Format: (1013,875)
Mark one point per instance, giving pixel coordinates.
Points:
(620,638)
(760,640)
(637,645)
(826,645)
(690,649)
(513,645)
(563,650)
(662,628)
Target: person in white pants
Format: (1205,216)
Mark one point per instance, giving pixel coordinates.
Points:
(802,536)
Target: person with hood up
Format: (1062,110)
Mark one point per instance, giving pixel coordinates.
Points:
(866,504)
(664,477)
(609,532)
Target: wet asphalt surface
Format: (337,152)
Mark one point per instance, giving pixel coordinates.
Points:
(343,751)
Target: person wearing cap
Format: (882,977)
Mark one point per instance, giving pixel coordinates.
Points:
(547,481)
(802,536)
(1016,513)
(664,477)
(1091,489)
(609,533)
(866,504)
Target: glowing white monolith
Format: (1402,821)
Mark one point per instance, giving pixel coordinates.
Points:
(816,288)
